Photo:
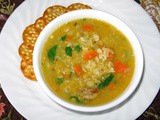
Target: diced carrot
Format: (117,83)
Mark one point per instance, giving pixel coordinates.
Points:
(87,27)
(119,67)
(90,54)
(110,56)
(111,86)
(69,38)
(78,70)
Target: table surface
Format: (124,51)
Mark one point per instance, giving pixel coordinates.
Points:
(8,112)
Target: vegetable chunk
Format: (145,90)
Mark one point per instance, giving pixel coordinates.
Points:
(90,54)
(52,52)
(106,82)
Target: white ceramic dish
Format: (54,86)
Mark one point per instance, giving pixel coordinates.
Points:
(27,96)
(80,14)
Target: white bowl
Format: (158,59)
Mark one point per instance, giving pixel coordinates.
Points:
(52,26)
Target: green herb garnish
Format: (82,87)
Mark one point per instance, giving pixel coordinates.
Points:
(52,52)
(106,82)
(63,38)
(68,51)
(59,80)
(77,48)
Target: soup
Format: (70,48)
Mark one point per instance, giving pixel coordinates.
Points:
(87,62)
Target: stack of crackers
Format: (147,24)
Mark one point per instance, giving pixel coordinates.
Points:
(31,33)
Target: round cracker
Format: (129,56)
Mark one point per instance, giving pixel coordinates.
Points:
(77,6)
(26,51)
(30,34)
(27,69)
(53,12)
(39,24)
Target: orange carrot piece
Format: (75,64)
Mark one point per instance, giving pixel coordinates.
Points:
(78,70)
(90,54)
(87,27)
(111,86)
(69,38)
(119,67)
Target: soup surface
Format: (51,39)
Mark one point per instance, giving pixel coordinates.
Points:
(87,62)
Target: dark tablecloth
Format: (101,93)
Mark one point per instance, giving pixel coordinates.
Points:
(8,112)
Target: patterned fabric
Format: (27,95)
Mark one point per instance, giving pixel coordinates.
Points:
(8,112)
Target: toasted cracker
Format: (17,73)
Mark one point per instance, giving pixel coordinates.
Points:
(27,69)
(39,24)
(26,51)
(30,34)
(77,6)
(53,12)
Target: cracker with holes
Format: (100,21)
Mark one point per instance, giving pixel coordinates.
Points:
(30,34)
(39,24)
(77,6)
(53,12)
(27,69)
(26,51)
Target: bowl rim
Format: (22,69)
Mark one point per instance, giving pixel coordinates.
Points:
(103,16)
